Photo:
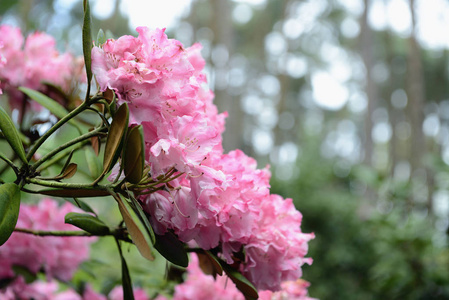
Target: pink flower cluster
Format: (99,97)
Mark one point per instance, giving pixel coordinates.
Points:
(198,285)
(32,61)
(57,256)
(2,63)
(222,200)
(42,290)
(291,290)
(38,290)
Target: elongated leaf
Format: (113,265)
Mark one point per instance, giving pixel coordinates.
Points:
(93,163)
(138,209)
(136,228)
(9,209)
(116,134)
(69,172)
(87,43)
(81,204)
(11,135)
(67,162)
(73,193)
(134,155)
(110,97)
(54,107)
(95,141)
(57,90)
(172,249)
(209,264)
(87,222)
(126,280)
(240,281)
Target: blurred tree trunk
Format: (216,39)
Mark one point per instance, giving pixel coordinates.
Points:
(222,26)
(366,41)
(285,82)
(416,95)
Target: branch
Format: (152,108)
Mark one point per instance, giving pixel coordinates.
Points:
(70,186)
(119,233)
(52,233)
(61,122)
(10,163)
(81,138)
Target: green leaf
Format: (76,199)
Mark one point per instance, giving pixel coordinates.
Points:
(240,281)
(111,98)
(67,162)
(81,204)
(54,107)
(87,43)
(74,193)
(57,90)
(126,280)
(134,155)
(12,136)
(116,134)
(87,222)
(69,171)
(25,273)
(138,208)
(209,264)
(9,209)
(101,38)
(172,249)
(137,229)
(93,162)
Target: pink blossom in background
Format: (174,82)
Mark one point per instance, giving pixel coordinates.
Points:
(57,256)
(198,285)
(221,200)
(2,63)
(291,290)
(51,290)
(117,294)
(90,294)
(38,290)
(33,61)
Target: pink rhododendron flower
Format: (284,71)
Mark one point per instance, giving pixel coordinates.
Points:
(90,294)
(2,63)
(57,256)
(163,84)
(221,200)
(198,285)
(38,290)
(33,61)
(117,294)
(291,290)
(278,247)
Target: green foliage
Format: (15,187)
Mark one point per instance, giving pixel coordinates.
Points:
(358,252)
(139,228)
(172,249)
(133,156)
(87,44)
(11,135)
(54,107)
(116,134)
(88,223)
(9,209)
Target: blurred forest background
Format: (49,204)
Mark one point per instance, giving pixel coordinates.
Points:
(347,100)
